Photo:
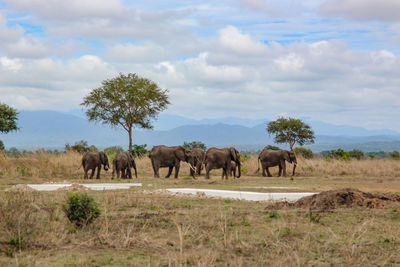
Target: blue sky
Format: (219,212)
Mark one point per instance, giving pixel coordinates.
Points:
(245,58)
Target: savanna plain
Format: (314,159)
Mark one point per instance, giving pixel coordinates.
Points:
(145,226)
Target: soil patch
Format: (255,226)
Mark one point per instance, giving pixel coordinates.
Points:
(20,188)
(343,198)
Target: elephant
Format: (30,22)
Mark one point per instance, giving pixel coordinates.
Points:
(168,156)
(221,158)
(196,160)
(93,160)
(123,162)
(270,158)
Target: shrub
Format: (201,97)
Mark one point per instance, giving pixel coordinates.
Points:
(194,144)
(339,154)
(81,147)
(81,209)
(139,151)
(395,154)
(357,154)
(272,147)
(2,148)
(304,152)
(113,150)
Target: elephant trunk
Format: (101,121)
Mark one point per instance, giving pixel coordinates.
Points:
(294,168)
(239,169)
(106,167)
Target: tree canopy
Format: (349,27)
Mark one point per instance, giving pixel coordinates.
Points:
(291,131)
(195,144)
(127,101)
(8,119)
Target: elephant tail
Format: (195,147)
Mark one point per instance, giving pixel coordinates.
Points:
(258,164)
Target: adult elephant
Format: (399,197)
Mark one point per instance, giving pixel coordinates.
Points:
(271,158)
(196,160)
(221,158)
(122,163)
(93,160)
(168,156)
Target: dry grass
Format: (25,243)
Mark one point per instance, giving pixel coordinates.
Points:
(154,230)
(137,228)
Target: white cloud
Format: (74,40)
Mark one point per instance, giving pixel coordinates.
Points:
(27,47)
(147,52)
(231,39)
(385,10)
(10,64)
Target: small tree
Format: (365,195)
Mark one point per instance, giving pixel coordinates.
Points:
(304,152)
(291,131)
(194,144)
(139,151)
(8,120)
(126,101)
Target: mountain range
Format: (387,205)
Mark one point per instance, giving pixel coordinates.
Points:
(52,130)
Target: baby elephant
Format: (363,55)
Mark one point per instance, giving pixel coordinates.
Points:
(93,161)
(122,163)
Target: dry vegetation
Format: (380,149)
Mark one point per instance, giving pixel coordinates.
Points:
(141,229)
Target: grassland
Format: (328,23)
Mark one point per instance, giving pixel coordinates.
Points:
(141,229)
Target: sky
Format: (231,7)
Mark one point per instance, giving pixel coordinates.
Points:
(240,58)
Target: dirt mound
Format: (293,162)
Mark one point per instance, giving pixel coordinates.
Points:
(344,198)
(73,187)
(20,188)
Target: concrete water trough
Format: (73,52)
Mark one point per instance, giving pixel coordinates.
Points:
(99,186)
(243,195)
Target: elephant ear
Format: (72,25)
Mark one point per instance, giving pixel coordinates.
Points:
(286,156)
(234,153)
(102,157)
(180,153)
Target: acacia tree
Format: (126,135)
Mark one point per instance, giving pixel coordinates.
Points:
(291,131)
(8,121)
(127,101)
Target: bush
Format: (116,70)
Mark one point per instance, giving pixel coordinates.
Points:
(81,147)
(113,150)
(395,154)
(357,154)
(81,209)
(139,151)
(194,144)
(2,148)
(304,152)
(272,147)
(339,154)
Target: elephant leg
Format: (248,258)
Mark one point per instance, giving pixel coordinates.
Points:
(208,171)
(284,168)
(224,173)
(280,170)
(85,176)
(169,171)
(263,170)
(177,167)
(269,174)
(129,173)
(191,172)
(234,172)
(92,174)
(198,169)
(98,172)
(155,169)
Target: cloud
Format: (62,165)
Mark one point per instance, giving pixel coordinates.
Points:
(66,10)
(383,10)
(147,52)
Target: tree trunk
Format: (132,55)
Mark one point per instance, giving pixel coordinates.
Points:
(130,140)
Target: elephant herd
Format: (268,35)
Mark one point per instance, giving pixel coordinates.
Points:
(227,159)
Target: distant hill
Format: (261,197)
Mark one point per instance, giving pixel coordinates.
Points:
(51,129)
